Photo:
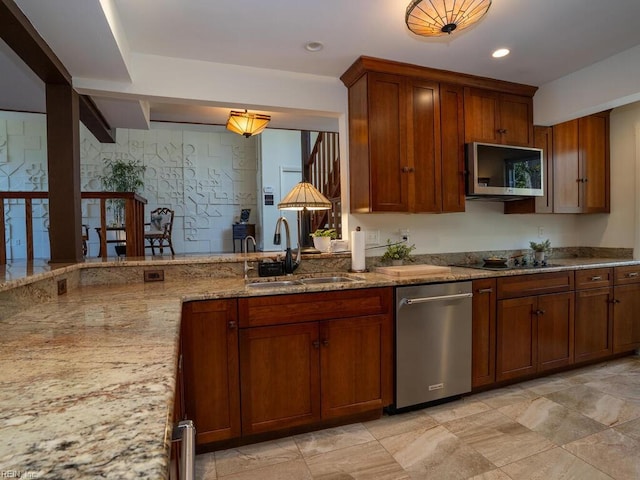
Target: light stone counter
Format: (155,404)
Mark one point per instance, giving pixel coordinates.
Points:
(87,378)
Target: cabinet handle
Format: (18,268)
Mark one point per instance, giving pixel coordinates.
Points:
(325,342)
(596,278)
(485,290)
(502,130)
(316,344)
(406,169)
(614,300)
(411,169)
(585,180)
(232,324)
(632,274)
(539,312)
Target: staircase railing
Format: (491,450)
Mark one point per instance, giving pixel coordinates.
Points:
(323,171)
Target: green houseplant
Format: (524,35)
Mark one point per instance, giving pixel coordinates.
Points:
(397,253)
(540,249)
(122,176)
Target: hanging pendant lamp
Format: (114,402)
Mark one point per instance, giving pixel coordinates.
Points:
(433,18)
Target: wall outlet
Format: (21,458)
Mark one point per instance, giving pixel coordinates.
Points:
(372,237)
(154,275)
(540,232)
(62,286)
(404,234)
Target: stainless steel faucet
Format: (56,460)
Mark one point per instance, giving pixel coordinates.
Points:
(245,249)
(289,264)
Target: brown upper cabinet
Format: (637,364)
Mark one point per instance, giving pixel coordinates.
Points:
(581,165)
(407,134)
(495,117)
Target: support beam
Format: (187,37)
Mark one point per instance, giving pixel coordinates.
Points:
(63,159)
(91,117)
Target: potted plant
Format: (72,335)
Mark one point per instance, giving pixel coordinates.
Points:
(397,253)
(122,176)
(540,249)
(322,238)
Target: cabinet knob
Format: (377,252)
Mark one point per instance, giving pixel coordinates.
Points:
(405,169)
(539,312)
(325,342)
(614,300)
(502,130)
(232,324)
(316,344)
(585,180)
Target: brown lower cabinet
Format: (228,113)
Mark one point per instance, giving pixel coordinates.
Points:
(534,332)
(295,360)
(210,374)
(626,319)
(483,349)
(310,370)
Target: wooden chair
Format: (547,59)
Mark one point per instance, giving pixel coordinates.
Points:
(158,233)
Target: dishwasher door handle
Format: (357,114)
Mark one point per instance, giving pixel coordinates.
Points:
(440,298)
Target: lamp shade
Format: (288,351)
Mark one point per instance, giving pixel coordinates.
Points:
(304,195)
(432,18)
(246,123)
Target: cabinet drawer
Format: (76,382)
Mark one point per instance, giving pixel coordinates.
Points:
(594,278)
(535,284)
(628,274)
(307,307)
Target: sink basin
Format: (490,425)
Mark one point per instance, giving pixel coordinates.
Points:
(313,280)
(281,283)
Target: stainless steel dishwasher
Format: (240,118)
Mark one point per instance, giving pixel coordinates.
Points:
(433,342)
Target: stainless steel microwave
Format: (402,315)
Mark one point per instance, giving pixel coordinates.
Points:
(504,172)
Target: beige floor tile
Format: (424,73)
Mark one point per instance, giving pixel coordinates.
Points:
(492,475)
(259,455)
(205,467)
(505,396)
(458,409)
(610,451)
(390,425)
(552,420)
(360,462)
(625,386)
(556,464)
(595,404)
(630,429)
(497,437)
(323,441)
(436,453)
(542,386)
(293,470)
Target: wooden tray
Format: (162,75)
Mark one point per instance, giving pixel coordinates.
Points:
(413,270)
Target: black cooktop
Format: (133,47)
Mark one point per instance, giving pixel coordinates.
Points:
(507,267)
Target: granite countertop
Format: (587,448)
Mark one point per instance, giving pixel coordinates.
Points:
(88,378)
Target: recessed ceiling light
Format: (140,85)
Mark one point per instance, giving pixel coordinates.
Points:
(314,46)
(501,52)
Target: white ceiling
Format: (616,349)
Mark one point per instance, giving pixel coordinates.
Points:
(96,39)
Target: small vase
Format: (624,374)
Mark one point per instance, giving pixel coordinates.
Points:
(397,263)
(538,256)
(322,243)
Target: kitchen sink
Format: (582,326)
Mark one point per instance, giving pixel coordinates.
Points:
(277,284)
(336,279)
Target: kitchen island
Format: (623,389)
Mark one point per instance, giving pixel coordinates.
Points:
(88,377)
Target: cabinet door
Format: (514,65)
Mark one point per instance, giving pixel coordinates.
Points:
(389,175)
(594,149)
(210,369)
(517,338)
(452,147)
(484,332)
(356,365)
(481,115)
(423,137)
(555,330)
(626,321)
(516,120)
(593,324)
(566,168)
(280,382)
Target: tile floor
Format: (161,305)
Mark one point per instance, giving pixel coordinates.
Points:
(583,424)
